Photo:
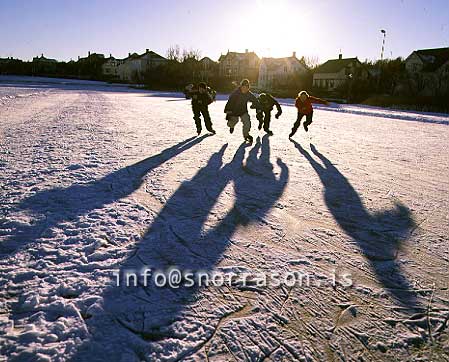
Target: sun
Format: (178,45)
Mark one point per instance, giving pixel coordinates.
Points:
(277,28)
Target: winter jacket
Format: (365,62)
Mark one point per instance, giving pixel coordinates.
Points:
(267,102)
(237,103)
(306,107)
(201,99)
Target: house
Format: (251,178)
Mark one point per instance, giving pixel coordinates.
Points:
(135,66)
(276,73)
(110,67)
(236,66)
(207,69)
(44,60)
(336,72)
(90,67)
(428,70)
(91,58)
(43,65)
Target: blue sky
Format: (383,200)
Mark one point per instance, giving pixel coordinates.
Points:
(67,28)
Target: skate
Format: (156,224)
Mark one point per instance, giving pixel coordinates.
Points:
(212,131)
(249,139)
(260,126)
(231,130)
(198,131)
(269,132)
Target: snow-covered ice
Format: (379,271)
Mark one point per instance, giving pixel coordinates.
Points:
(98,180)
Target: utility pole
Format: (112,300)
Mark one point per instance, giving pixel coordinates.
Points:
(381,58)
(383,44)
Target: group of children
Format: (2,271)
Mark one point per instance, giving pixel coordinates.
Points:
(236,108)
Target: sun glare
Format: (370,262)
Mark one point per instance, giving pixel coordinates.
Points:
(279,29)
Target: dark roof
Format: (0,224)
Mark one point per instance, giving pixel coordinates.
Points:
(153,55)
(237,55)
(273,63)
(207,59)
(335,65)
(433,58)
(44,59)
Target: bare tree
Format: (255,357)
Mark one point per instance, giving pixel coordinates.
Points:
(310,61)
(192,54)
(174,53)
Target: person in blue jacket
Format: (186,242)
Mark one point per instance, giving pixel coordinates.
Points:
(236,109)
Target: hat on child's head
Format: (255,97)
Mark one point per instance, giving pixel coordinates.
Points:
(303,92)
(244,83)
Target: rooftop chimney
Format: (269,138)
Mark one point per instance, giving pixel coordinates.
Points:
(147,50)
(340,56)
(88,53)
(129,54)
(294,55)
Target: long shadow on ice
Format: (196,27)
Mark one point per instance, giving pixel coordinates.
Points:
(378,235)
(189,235)
(54,206)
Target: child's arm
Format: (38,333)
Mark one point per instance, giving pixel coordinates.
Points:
(230,104)
(278,107)
(297,103)
(255,102)
(318,100)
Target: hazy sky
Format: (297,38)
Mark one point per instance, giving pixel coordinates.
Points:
(65,29)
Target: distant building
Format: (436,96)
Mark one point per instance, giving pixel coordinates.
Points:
(91,58)
(276,73)
(207,69)
(236,66)
(43,59)
(429,70)
(336,72)
(43,65)
(135,66)
(110,67)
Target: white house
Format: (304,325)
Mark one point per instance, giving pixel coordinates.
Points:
(236,65)
(277,72)
(336,72)
(135,66)
(429,70)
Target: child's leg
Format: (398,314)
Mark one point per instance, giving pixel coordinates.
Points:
(296,124)
(246,125)
(196,117)
(308,121)
(232,121)
(266,121)
(207,120)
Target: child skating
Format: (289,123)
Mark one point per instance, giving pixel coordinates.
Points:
(267,102)
(304,105)
(236,109)
(201,96)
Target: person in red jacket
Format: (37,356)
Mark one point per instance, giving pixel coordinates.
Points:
(304,105)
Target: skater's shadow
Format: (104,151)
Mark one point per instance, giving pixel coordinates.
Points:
(189,236)
(378,235)
(53,207)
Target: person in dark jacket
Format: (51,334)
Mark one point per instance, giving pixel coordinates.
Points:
(267,102)
(236,108)
(304,105)
(201,96)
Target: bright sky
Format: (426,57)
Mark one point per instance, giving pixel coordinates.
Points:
(64,29)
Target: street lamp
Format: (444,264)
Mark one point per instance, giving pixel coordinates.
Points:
(383,44)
